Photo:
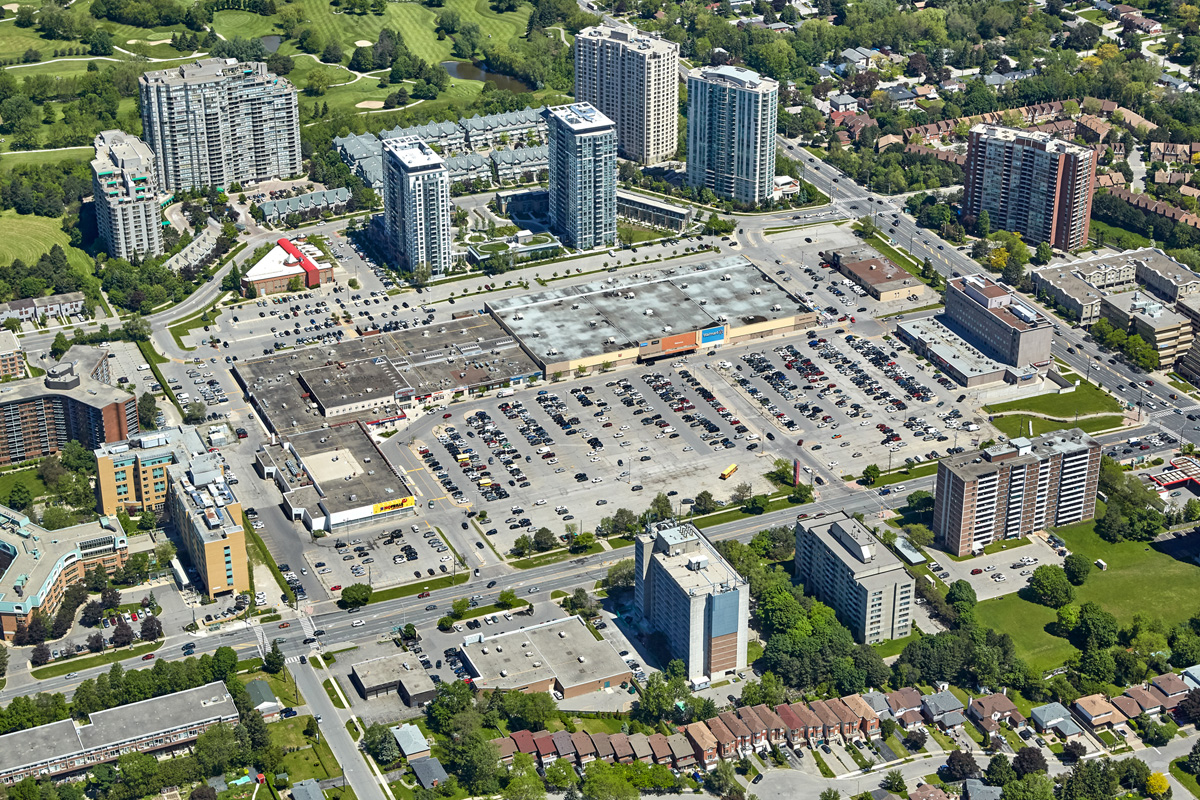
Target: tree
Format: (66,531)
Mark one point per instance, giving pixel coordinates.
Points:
(705,503)
(831,794)
(379,742)
(1073,751)
(961,592)
(40,655)
(1157,785)
(273,663)
(319,79)
(1044,253)
(1077,568)
(871,474)
(915,739)
(999,771)
(960,766)
(544,540)
(460,607)
(1029,759)
(110,597)
(893,781)
(95,642)
(147,409)
(983,224)
(920,535)
(164,551)
(215,749)
(19,496)
(1192,762)
(560,775)
(310,728)
(122,634)
(508,598)
(603,781)
(1050,585)
(203,792)
(1034,786)
(356,595)
(741,493)
(620,575)
(60,345)
(660,506)
(151,629)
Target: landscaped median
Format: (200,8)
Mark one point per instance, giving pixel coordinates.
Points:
(60,668)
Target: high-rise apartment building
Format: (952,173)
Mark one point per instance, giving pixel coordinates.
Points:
(633,79)
(583,176)
(845,567)
(685,590)
(416,204)
(125,193)
(1015,488)
(217,121)
(732,114)
(999,323)
(1030,183)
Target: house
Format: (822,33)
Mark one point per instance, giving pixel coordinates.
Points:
(604,748)
(1142,24)
(704,744)
(505,746)
(546,752)
(849,720)
(927,791)
(738,729)
(660,748)
(726,741)
(682,754)
(868,720)
(937,705)
(1127,706)
(910,720)
(640,743)
(843,102)
(776,730)
(1172,688)
(996,707)
(859,57)
(1174,83)
(1191,676)
(887,140)
(307,790)
(1097,712)
(1092,128)
(1055,717)
(795,728)
(901,700)
(814,729)
(413,745)
(565,746)
(585,751)
(429,772)
(524,742)
(878,703)
(831,723)
(622,749)
(757,728)
(974,789)
(902,97)
(1145,699)
(262,699)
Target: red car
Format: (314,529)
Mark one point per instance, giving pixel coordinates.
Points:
(447,416)
(976,572)
(285,624)
(1148,383)
(337,588)
(148,657)
(422,595)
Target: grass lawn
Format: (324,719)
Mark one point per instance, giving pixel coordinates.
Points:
(610,726)
(60,668)
(942,739)
(754,651)
(307,759)
(29,477)
(554,556)
(1119,237)
(639,233)
(282,685)
(28,237)
(1119,590)
(410,589)
(1185,778)
(1014,425)
(10,160)
(341,793)
(1086,399)
(193,322)
(826,772)
(333,695)
(415,20)
(893,647)
(1096,15)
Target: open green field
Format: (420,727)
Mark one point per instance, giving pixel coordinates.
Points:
(1120,590)
(28,237)
(1086,399)
(415,21)
(10,160)
(1018,424)
(29,477)
(283,685)
(60,668)
(311,760)
(639,233)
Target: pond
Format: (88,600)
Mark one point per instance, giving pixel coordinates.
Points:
(478,72)
(271,43)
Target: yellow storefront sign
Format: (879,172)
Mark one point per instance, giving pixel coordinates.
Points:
(393,505)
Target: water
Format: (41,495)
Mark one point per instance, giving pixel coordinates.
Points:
(476,72)
(272,42)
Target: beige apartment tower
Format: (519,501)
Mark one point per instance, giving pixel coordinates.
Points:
(125,195)
(1014,489)
(633,79)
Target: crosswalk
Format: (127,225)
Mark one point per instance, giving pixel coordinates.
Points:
(307,625)
(1170,412)
(260,639)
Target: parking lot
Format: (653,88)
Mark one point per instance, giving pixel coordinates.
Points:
(998,574)
(401,554)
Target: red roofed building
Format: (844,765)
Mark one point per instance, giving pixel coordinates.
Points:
(286,264)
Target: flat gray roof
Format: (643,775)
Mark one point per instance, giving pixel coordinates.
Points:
(973,464)
(350,470)
(115,726)
(947,345)
(564,649)
(1062,278)
(577,321)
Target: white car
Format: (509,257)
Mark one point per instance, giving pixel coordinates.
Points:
(444,558)
(540,503)
(597,480)
(358,623)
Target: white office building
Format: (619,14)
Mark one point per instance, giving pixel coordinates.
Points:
(416,205)
(633,79)
(685,590)
(125,193)
(217,121)
(732,115)
(847,569)
(583,176)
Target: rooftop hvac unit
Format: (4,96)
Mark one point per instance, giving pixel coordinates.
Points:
(581,659)
(562,634)
(503,672)
(484,651)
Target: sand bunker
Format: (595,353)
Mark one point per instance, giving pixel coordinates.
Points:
(363,43)
(369,104)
